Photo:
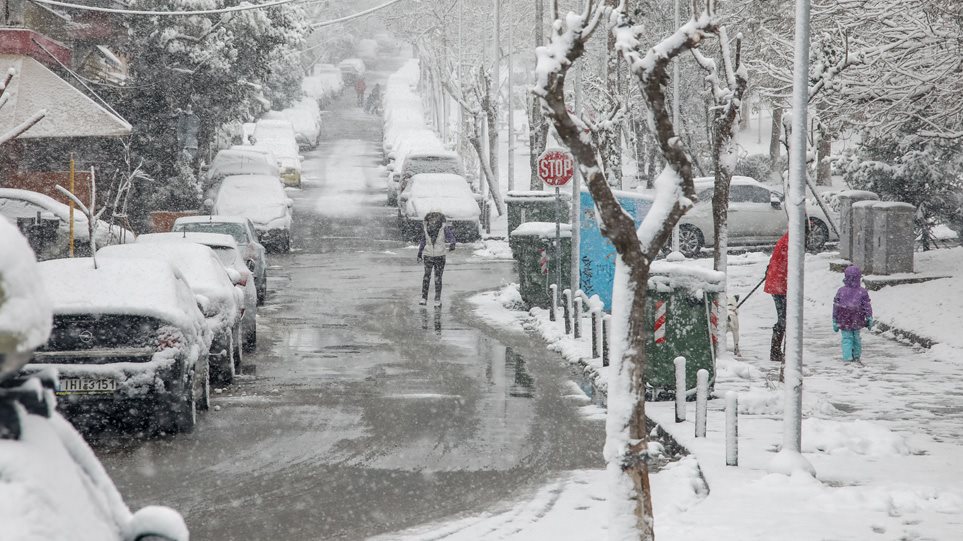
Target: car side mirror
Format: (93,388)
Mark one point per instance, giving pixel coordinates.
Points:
(775,201)
(156,523)
(204,305)
(235,277)
(250,265)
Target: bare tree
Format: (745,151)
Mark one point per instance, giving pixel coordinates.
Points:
(28,122)
(91,212)
(626,449)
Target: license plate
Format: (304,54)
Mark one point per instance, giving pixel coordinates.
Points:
(86,385)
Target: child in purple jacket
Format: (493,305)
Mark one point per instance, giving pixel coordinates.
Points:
(851,312)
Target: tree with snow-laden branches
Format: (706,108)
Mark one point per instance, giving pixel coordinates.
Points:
(626,448)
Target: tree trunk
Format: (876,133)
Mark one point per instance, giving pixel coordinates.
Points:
(775,170)
(824,169)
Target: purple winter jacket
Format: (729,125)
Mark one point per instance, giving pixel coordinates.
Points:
(851,307)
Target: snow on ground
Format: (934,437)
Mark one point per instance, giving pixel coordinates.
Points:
(884,438)
(492,249)
(346,171)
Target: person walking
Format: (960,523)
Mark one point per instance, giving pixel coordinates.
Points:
(359,87)
(852,310)
(373,103)
(776,285)
(436,238)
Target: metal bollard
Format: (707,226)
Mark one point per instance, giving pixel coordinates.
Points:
(596,329)
(553,306)
(680,389)
(606,336)
(567,307)
(732,429)
(577,324)
(702,402)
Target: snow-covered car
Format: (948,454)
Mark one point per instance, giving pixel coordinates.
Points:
(52,486)
(244,234)
(242,161)
(756,217)
(127,339)
(305,118)
(352,69)
(418,142)
(262,201)
(16,204)
(213,286)
(227,251)
(278,137)
(324,84)
(437,161)
(439,192)
(367,49)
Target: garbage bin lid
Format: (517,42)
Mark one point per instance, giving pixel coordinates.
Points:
(665,276)
(541,229)
(857,194)
(534,195)
(894,205)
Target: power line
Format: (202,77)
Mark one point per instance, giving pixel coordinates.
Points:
(243,7)
(354,15)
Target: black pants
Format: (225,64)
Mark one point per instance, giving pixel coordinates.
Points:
(780,301)
(438,264)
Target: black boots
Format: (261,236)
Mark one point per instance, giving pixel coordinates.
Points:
(775,349)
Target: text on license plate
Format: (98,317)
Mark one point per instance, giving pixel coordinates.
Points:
(87,385)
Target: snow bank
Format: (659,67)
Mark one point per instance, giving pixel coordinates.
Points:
(493,249)
(25,310)
(757,401)
(855,437)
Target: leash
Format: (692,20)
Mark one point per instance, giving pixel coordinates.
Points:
(744,299)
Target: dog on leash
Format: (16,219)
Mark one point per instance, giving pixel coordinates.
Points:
(732,322)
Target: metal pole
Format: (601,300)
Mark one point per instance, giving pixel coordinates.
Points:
(606,336)
(553,307)
(675,116)
(558,235)
(577,318)
(594,313)
(511,114)
(567,307)
(71,204)
(575,217)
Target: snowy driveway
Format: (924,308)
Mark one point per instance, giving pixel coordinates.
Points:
(366,413)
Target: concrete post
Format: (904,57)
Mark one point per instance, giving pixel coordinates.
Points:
(680,389)
(863,236)
(553,304)
(846,201)
(577,324)
(596,328)
(702,402)
(893,238)
(732,429)
(567,306)
(606,336)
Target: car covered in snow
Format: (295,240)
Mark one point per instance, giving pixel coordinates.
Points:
(213,286)
(128,339)
(352,69)
(756,217)
(16,204)
(324,84)
(52,486)
(227,251)
(305,118)
(261,201)
(278,137)
(436,161)
(439,192)
(242,161)
(244,234)
(418,142)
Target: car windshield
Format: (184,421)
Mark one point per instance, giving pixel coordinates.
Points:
(238,231)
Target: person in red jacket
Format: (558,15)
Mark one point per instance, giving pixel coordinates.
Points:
(776,275)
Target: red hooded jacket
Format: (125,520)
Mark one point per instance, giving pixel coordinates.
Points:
(778,268)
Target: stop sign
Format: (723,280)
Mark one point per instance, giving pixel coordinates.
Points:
(556,167)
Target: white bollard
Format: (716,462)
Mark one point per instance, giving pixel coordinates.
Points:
(577,319)
(732,429)
(702,402)
(680,389)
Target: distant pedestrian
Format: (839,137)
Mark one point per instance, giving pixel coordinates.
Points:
(437,238)
(359,87)
(373,102)
(776,285)
(852,311)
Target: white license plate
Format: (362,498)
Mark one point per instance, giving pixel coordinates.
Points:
(87,385)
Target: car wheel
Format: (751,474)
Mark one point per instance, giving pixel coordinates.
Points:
(250,341)
(690,240)
(818,235)
(184,410)
(225,366)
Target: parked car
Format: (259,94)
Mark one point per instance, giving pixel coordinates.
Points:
(436,161)
(278,137)
(756,217)
(352,69)
(441,192)
(221,303)
(244,234)
(52,486)
(227,251)
(305,118)
(242,161)
(261,200)
(324,84)
(16,204)
(416,143)
(128,338)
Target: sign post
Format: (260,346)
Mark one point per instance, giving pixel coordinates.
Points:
(556,167)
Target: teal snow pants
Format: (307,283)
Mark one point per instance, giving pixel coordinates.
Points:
(852,345)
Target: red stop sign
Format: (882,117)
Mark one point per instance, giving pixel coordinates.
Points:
(556,167)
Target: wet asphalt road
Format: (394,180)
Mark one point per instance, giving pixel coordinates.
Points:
(363,413)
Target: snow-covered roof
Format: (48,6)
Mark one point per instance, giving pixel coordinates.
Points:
(214,240)
(145,287)
(25,310)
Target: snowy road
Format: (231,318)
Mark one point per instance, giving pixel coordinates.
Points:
(364,413)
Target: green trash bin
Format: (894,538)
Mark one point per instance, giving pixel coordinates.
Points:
(534,206)
(534,244)
(678,311)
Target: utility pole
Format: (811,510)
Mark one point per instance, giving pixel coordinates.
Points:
(538,128)
(493,97)
(676,121)
(511,108)
(575,271)
(790,458)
